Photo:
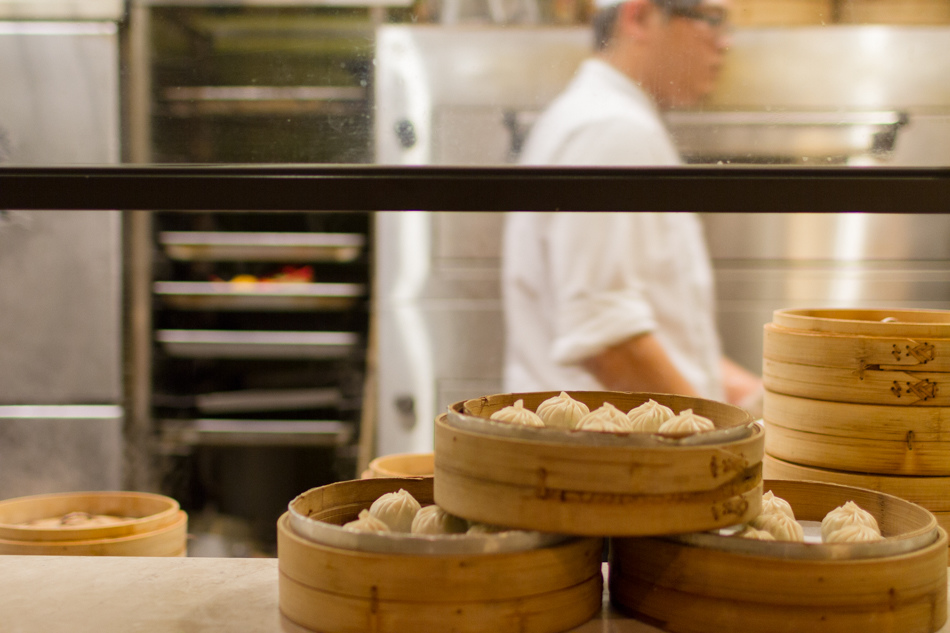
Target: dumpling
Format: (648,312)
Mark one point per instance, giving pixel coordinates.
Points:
(366,523)
(606,418)
(648,417)
(435,520)
(396,509)
(771,503)
(779,525)
(848,514)
(757,535)
(562,412)
(854,533)
(687,422)
(517,414)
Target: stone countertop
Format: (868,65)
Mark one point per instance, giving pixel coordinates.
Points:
(77,594)
(67,594)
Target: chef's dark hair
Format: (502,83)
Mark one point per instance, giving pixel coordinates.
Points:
(605,19)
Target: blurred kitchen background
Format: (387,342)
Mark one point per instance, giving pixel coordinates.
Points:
(233,360)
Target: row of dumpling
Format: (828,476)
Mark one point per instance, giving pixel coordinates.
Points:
(848,523)
(564,412)
(401,512)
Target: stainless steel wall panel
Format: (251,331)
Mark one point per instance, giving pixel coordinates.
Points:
(46,449)
(61,9)
(60,98)
(60,307)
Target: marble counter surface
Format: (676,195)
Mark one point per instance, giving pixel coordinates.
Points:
(63,594)
(60,594)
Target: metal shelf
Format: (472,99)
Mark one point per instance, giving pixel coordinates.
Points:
(262,246)
(190,101)
(262,295)
(211,432)
(257,344)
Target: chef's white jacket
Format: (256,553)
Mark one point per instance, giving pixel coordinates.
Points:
(576,283)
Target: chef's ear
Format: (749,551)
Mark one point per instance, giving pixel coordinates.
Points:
(634,17)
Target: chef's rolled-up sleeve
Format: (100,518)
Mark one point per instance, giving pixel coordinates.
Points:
(600,295)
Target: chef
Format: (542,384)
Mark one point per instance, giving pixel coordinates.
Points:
(621,301)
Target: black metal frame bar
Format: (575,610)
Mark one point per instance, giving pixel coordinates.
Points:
(709,189)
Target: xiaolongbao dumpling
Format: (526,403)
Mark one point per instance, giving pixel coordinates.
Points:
(366,523)
(648,417)
(779,525)
(396,509)
(687,422)
(435,520)
(606,418)
(562,411)
(517,414)
(757,535)
(771,503)
(848,514)
(854,533)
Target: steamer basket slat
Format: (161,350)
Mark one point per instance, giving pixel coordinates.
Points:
(557,611)
(690,588)
(856,453)
(848,419)
(911,323)
(932,493)
(863,386)
(826,349)
(564,485)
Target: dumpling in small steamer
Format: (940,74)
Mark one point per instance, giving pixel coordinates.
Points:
(649,416)
(756,535)
(687,422)
(434,520)
(396,509)
(771,503)
(848,514)
(854,533)
(518,414)
(366,523)
(562,411)
(779,525)
(605,418)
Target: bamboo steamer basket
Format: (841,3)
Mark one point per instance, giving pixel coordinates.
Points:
(339,590)
(153,525)
(858,437)
(555,481)
(932,493)
(144,511)
(403,465)
(755,13)
(903,12)
(697,589)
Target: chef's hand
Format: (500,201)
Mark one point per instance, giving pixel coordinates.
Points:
(743,388)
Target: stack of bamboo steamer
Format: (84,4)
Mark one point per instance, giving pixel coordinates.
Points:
(324,586)
(861,398)
(897,12)
(141,524)
(598,484)
(708,582)
(401,465)
(763,13)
